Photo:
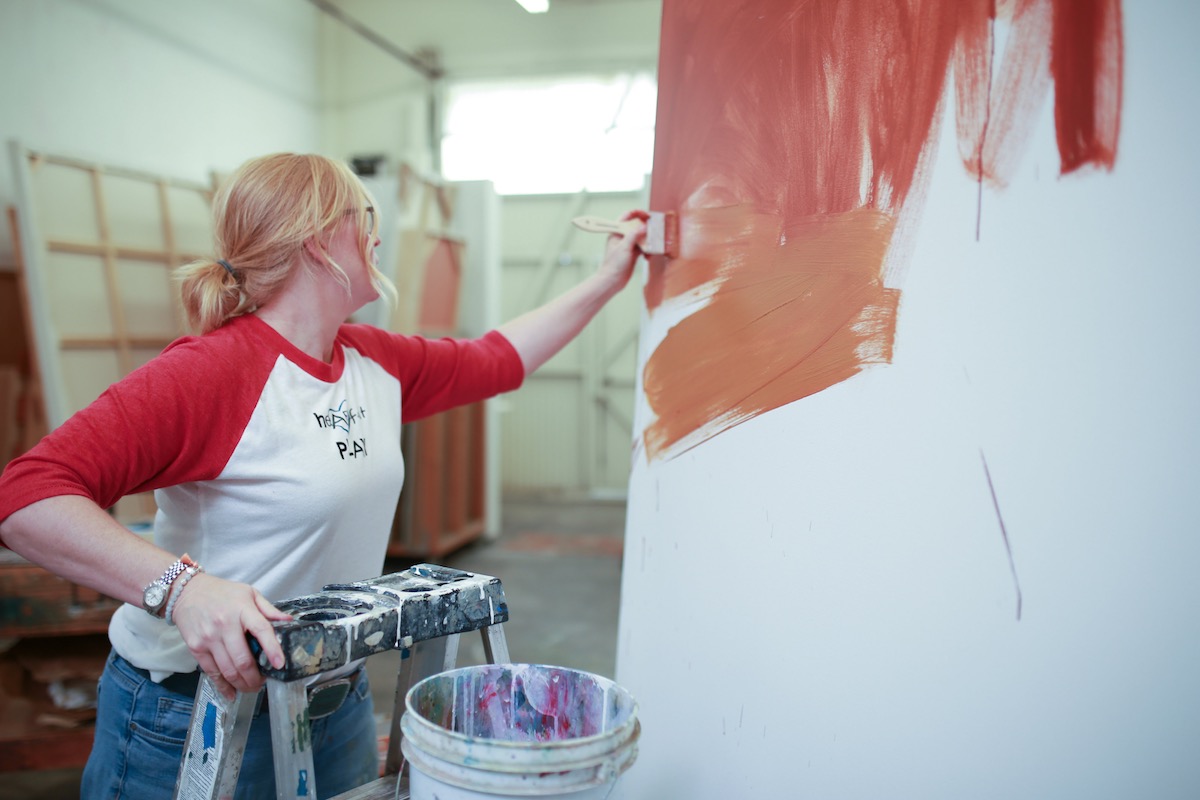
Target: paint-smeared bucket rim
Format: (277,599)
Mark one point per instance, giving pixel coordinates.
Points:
(579,751)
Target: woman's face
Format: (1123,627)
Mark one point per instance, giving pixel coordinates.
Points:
(346,249)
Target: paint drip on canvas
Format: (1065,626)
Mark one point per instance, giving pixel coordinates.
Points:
(795,138)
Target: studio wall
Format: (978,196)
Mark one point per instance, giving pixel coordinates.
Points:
(172,88)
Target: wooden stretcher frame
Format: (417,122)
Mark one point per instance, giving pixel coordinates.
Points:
(115,249)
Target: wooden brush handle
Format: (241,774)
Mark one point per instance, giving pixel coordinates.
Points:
(601,225)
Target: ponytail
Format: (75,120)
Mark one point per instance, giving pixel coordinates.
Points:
(211,293)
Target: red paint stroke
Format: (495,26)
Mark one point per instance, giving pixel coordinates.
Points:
(795,140)
(1012,564)
(1086,60)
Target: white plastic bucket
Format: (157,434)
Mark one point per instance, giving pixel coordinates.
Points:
(517,730)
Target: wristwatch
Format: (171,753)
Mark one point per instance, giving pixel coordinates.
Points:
(154,596)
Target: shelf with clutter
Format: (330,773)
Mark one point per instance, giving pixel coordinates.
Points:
(53,645)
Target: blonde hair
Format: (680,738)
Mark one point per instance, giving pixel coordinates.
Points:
(262,216)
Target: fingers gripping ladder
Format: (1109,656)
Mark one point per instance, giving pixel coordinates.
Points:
(420,611)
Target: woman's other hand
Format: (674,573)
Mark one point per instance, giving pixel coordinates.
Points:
(214,615)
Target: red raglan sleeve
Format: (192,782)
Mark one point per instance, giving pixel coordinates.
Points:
(438,374)
(175,419)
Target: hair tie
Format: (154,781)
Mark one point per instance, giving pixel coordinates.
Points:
(228,268)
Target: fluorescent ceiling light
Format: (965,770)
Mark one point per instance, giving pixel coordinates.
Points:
(535,6)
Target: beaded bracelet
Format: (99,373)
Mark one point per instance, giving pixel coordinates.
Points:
(178,590)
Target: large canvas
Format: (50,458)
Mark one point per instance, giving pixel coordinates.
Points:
(911,507)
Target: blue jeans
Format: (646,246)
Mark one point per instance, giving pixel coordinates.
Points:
(141,728)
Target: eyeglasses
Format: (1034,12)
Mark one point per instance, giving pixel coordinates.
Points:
(370,217)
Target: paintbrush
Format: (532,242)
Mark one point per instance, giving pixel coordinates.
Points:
(662,231)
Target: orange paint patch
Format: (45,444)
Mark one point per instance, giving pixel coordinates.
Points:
(791,137)
(799,307)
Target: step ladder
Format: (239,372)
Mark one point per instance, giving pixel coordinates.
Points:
(420,611)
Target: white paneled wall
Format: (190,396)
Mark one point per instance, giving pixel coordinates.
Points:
(568,429)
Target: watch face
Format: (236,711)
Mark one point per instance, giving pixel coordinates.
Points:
(155,594)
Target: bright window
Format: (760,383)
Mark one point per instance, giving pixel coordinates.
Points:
(552,135)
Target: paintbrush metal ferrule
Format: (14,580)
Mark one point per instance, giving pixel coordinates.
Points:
(662,234)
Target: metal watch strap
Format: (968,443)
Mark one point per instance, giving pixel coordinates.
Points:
(173,597)
(166,580)
(173,572)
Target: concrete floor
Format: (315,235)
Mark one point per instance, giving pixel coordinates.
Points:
(560,563)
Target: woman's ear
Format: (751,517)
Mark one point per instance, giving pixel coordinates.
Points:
(313,249)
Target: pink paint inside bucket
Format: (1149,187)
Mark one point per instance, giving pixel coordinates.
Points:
(518,730)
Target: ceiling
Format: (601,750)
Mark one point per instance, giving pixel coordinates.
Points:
(471,39)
